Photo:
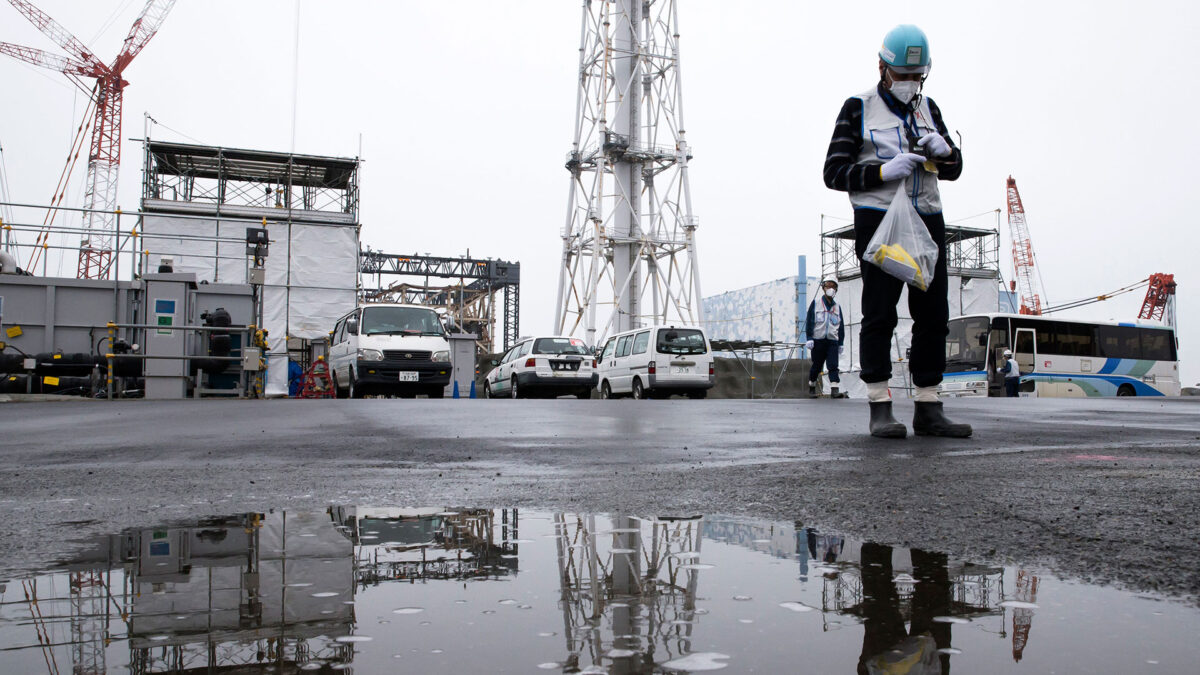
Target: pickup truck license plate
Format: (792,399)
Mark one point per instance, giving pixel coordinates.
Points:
(681,370)
(408,376)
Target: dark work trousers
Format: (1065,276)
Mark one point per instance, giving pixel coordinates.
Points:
(881,291)
(824,353)
(1010,386)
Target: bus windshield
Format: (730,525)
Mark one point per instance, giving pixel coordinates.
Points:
(966,345)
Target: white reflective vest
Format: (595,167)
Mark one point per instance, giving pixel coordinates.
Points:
(884,137)
(826,321)
(1014,369)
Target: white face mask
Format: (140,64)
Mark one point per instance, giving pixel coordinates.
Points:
(905,90)
(831,292)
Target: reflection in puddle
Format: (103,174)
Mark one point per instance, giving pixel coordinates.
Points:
(479,590)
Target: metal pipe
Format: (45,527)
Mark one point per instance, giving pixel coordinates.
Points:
(108,358)
(143,357)
(231,329)
(209,217)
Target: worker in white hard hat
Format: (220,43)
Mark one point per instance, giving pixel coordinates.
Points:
(1012,374)
(888,134)
(826,332)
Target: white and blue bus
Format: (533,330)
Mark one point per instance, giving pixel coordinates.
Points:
(1060,357)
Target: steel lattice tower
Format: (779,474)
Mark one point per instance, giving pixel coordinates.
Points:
(629,245)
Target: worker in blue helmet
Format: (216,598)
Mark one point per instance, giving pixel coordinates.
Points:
(883,136)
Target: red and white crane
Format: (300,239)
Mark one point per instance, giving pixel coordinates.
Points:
(104,157)
(1028,284)
(1159,304)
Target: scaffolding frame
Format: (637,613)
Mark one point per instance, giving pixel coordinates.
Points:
(971,252)
(219,180)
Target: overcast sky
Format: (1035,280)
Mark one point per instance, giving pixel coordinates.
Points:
(465,110)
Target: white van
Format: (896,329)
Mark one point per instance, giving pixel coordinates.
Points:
(656,361)
(390,349)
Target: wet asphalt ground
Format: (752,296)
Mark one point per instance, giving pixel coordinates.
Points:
(1106,491)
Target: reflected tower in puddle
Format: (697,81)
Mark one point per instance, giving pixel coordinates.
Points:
(628,590)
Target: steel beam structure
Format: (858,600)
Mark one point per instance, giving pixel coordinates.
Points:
(472,301)
(629,244)
(970,252)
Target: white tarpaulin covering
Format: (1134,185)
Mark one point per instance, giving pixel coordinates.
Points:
(311,274)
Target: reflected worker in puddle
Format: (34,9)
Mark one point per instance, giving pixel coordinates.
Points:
(887,646)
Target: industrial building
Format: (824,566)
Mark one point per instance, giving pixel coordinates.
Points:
(197,203)
(772,311)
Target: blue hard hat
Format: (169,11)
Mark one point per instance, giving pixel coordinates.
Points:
(905,49)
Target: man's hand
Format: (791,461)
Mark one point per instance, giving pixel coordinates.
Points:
(900,166)
(935,145)
(809,345)
(841,351)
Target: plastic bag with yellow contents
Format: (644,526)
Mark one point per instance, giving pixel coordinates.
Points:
(901,245)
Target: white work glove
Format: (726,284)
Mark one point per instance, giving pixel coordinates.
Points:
(809,345)
(900,166)
(935,144)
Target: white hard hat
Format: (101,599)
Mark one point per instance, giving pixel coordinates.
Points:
(1008,352)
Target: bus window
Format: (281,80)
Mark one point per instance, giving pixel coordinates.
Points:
(1119,342)
(1157,345)
(1046,342)
(1075,339)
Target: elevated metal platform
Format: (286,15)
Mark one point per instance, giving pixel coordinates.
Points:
(471,301)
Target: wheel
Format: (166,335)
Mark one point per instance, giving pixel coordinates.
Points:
(355,391)
(512,389)
(1126,390)
(487,390)
(605,391)
(638,392)
(337,389)
(697,394)
(584,393)
(436,392)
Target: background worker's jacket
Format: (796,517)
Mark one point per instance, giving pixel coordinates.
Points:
(1011,369)
(825,322)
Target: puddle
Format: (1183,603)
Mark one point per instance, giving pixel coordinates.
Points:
(376,590)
